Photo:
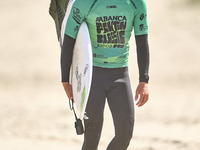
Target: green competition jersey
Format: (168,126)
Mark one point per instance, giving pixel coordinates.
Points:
(110,23)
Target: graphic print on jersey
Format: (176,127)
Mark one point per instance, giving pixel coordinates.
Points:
(76,15)
(111,30)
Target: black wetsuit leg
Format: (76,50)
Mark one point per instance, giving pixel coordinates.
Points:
(113,84)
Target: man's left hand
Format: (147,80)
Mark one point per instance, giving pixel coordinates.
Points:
(142,91)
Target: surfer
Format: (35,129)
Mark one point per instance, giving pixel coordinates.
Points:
(110,26)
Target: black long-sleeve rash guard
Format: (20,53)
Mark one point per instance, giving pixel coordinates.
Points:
(142,55)
(66,57)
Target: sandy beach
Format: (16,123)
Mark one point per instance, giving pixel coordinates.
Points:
(34,109)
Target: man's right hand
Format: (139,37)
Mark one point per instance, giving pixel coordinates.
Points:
(68,90)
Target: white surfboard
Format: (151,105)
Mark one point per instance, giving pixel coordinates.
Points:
(81,69)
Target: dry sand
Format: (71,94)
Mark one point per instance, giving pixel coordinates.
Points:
(34,112)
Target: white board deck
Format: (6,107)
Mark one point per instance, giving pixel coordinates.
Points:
(82,69)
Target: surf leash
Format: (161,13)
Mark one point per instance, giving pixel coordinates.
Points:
(78,123)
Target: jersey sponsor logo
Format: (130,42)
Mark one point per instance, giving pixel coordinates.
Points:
(122,56)
(142,27)
(76,15)
(99,56)
(111,31)
(143,16)
(76,29)
(113,6)
(105,62)
(110,18)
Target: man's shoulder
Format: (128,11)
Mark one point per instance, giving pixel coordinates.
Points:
(139,3)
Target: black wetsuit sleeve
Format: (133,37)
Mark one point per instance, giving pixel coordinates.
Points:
(143,57)
(66,57)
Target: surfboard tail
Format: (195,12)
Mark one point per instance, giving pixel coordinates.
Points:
(57,11)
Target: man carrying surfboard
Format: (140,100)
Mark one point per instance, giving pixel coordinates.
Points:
(110,24)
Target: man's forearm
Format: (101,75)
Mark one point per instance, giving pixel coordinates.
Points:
(143,57)
(66,57)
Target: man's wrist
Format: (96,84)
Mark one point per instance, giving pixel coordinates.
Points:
(143,82)
(144,78)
